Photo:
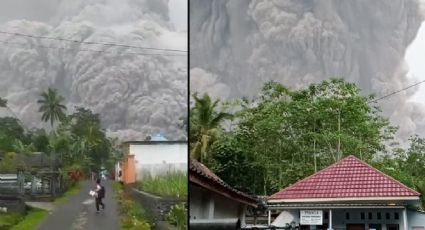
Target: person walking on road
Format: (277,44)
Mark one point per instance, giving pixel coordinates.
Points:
(100,194)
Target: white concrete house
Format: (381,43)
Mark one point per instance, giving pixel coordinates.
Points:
(153,158)
(349,194)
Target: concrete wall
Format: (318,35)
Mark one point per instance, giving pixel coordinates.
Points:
(340,220)
(156,159)
(208,205)
(416,220)
(156,206)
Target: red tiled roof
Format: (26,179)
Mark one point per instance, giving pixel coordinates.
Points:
(347,178)
(202,176)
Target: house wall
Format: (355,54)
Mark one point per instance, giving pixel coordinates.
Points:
(416,220)
(128,170)
(339,220)
(208,205)
(156,159)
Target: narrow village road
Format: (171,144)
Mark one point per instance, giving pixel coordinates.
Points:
(79,212)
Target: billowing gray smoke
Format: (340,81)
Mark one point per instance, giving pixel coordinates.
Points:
(135,94)
(239,44)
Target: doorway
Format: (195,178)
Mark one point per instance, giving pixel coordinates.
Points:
(392,227)
(355,227)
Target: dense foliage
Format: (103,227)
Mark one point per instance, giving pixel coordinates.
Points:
(284,135)
(76,138)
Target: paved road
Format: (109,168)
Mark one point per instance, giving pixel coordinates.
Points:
(79,212)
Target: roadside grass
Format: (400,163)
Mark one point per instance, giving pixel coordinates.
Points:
(177,216)
(31,220)
(168,185)
(131,214)
(68,194)
(7,220)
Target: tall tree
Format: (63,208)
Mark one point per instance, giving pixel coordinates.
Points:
(286,135)
(90,140)
(11,131)
(51,106)
(204,124)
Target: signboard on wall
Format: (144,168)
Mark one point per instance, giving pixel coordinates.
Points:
(311,217)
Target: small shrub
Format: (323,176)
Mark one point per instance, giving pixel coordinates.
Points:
(132,214)
(177,216)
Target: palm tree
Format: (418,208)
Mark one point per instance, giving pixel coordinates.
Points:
(51,106)
(205,122)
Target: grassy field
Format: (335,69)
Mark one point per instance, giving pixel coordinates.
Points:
(169,185)
(31,220)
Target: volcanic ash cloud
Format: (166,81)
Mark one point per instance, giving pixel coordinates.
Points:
(242,44)
(136,94)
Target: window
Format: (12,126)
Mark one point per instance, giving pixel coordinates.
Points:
(387,215)
(362,215)
(347,215)
(326,215)
(370,215)
(375,227)
(396,215)
(378,215)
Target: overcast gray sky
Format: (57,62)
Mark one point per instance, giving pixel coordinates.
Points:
(415,56)
(178,13)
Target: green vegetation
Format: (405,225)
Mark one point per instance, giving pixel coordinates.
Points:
(168,185)
(7,220)
(77,138)
(132,214)
(51,106)
(283,135)
(68,194)
(177,216)
(15,221)
(204,121)
(32,219)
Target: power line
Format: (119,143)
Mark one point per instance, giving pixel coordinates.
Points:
(91,43)
(89,50)
(398,91)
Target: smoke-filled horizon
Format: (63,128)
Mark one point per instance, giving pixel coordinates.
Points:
(238,45)
(136,95)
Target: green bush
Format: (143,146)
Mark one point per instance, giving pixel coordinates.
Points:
(132,214)
(177,216)
(168,185)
